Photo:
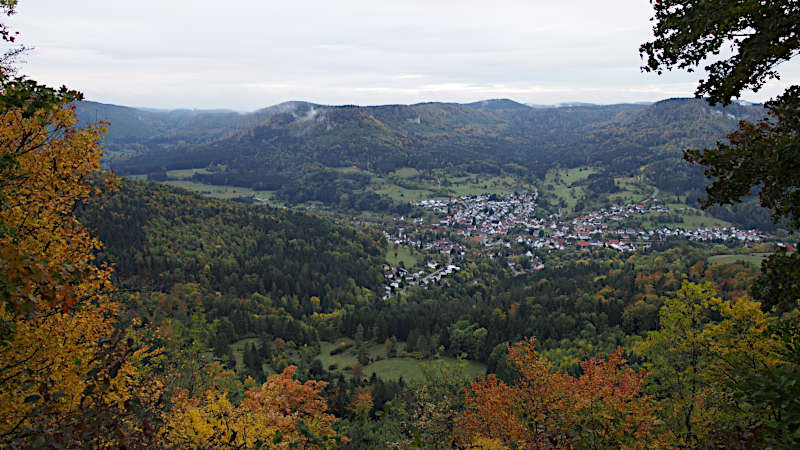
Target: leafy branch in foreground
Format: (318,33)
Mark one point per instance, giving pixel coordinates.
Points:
(761,158)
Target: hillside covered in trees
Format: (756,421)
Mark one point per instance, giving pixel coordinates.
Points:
(157,236)
(484,137)
(337,155)
(533,279)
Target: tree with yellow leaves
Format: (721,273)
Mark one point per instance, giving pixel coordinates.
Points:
(69,375)
(63,362)
(362,402)
(723,371)
(282,413)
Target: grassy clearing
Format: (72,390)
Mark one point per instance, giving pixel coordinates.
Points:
(632,184)
(626,197)
(410,190)
(558,185)
(402,194)
(417,187)
(383,367)
(403,254)
(185,174)
(341,360)
(692,222)
(403,185)
(631,191)
(351,169)
(753,259)
(216,191)
(406,172)
(569,176)
(394,369)
(475,185)
(238,349)
(692,219)
(562,195)
(182,179)
(568,195)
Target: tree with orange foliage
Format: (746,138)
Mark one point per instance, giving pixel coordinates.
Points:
(282,413)
(603,408)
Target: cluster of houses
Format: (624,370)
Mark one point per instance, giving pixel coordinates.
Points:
(399,279)
(601,229)
(490,220)
(403,236)
(485,214)
(496,223)
(632,240)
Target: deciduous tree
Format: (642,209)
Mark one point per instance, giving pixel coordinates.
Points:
(715,366)
(603,408)
(762,157)
(71,373)
(282,413)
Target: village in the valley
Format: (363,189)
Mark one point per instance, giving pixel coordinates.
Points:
(506,226)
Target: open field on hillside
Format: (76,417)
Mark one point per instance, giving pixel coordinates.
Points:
(474,185)
(402,194)
(182,179)
(753,259)
(406,172)
(695,217)
(217,191)
(630,191)
(569,176)
(558,187)
(184,174)
(409,184)
(408,256)
(409,368)
(386,368)
(703,221)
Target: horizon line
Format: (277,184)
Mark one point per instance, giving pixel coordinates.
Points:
(530,105)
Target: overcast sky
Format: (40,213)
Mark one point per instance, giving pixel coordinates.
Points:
(247,54)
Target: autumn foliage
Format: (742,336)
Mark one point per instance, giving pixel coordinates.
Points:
(73,371)
(68,373)
(76,367)
(602,408)
(282,413)
(724,371)
(45,253)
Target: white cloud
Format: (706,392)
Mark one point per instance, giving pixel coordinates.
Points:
(246,54)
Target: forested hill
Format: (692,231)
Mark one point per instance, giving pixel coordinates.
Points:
(675,124)
(489,137)
(135,131)
(158,236)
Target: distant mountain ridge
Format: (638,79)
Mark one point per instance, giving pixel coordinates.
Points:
(473,127)
(273,146)
(140,130)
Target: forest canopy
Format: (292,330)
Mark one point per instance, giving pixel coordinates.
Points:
(138,315)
